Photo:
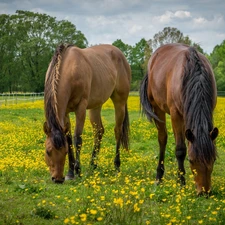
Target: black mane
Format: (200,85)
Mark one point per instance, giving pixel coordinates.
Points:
(198,97)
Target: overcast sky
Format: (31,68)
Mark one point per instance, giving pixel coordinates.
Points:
(104,21)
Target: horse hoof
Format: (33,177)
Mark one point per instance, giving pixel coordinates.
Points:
(158,182)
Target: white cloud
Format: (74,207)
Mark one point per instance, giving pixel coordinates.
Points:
(220,35)
(182,14)
(168,16)
(200,21)
(165,18)
(135,28)
(216,23)
(104,21)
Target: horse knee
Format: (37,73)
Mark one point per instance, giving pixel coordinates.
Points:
(78,141)
(181,153)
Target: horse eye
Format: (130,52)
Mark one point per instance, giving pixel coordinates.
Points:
(47,152)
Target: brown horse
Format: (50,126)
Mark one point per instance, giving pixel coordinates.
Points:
(77,80)
(180,82)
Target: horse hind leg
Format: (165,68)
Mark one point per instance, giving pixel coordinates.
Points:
(162,140)
(98,130)
(121,129)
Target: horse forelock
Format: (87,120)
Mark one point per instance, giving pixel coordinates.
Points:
(50,97)
(198,100)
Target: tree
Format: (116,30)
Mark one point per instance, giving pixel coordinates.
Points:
(8,67)
(137,56)
(140,56)
(171,35)
(125,48)
(217,59)
(29,40)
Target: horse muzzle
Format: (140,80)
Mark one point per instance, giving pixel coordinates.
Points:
(58,181)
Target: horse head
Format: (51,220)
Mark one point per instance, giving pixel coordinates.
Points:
(201,165)
(55,154)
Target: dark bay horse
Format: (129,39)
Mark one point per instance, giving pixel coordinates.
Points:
(77,80)
(180,82)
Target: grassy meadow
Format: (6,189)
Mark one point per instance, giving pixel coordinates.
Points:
(27,195)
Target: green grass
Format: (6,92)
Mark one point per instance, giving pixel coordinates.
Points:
(27,195)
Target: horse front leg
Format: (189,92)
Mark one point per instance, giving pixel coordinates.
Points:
(80,119)
(78,145)
(180,155)
(181,150)
(98,130)
(70,173)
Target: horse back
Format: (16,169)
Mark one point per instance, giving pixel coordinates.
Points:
(92,74)
(165,73)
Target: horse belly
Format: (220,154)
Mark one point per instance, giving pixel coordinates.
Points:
(101,91)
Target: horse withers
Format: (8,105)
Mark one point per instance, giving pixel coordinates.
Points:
(181,83)
(77,80)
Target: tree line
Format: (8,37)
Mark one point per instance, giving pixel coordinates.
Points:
(28,41)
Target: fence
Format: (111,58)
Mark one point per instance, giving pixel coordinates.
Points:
(15,98)
(221,93)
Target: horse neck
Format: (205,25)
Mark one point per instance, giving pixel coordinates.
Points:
(199,101)
(198,93)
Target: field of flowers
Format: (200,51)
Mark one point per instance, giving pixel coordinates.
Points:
(103,196)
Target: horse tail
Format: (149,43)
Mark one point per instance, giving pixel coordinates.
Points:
(125,130)
(50,98)
(146,106)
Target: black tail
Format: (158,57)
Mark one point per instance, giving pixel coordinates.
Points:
(125,130)
(146,107)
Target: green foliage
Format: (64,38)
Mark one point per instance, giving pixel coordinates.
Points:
(137,56)
(44,212)
(217,59)
(125,48)
(171,35)
(27,43)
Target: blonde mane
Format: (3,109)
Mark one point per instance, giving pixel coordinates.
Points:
(50,97)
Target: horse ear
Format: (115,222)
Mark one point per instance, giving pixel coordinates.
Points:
(46,128)
(189,135)
(214,133)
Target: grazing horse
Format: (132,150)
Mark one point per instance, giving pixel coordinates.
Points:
(77,80)
(180,82)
